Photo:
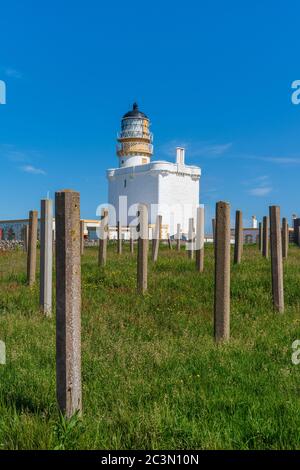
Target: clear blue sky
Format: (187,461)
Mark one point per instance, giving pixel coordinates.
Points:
(213,76)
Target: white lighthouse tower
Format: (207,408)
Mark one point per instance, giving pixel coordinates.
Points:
(169,189)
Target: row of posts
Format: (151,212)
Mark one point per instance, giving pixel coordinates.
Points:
(69,247)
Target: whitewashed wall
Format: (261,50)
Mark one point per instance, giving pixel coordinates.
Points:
(169,189)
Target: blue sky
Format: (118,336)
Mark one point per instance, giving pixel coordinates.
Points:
(212,76)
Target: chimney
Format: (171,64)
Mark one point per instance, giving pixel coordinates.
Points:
(180,155)
(254,221)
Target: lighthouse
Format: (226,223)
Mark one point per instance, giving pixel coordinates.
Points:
(170,189)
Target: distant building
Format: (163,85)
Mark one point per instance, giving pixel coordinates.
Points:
(14,229)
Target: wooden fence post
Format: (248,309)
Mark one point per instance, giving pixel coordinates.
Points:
(142,257)
(296,230)
(131,241)
(46,253)
(81,237)
(285,241)
(213,223)
(260,236)
(119,236)
(265,251)
(31,252)
(191,239)
(178,238)
(200,240)
(169,242)
(239,237)
(156,238)
(222,273)
(25,233)
(276,259)
(68,302)
(103,238)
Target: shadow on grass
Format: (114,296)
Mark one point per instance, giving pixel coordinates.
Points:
(23,404)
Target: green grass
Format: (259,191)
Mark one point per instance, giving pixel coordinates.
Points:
(152,376)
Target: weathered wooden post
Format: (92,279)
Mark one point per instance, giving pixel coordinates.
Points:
(265,250)
(46,252)
(276,259)
(222,273)
(53,243)
(169,242)
(82,237)
(131,241)
(25,236)
(142,257)
(260,236)
(200,240)
(68,302)
(178,238)
(191,239)
(156,238)
(103,238)
(119,238)
(285,241)
(31,252)
(213,223)
(296,230)
(239,237)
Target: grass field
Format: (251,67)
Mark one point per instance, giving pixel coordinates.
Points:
(152,376)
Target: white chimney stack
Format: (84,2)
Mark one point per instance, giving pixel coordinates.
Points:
(254,222)
(180,152)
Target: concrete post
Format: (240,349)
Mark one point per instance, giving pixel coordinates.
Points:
(285,241)
(131,241)
(260,237)
(239,237)
(103,238)
(68,302)
(178,238)
(142,258)
(156,238)
(46,252)
(31,252)
(222,273)
(265,250)
(276,259)
(190,239)
(119,236)
(200,240)
(82,237)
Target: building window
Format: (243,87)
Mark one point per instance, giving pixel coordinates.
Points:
(125,183)
(144,160)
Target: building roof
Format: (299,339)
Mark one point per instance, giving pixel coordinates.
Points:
(135,113)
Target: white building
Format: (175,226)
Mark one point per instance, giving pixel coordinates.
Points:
(169,189)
